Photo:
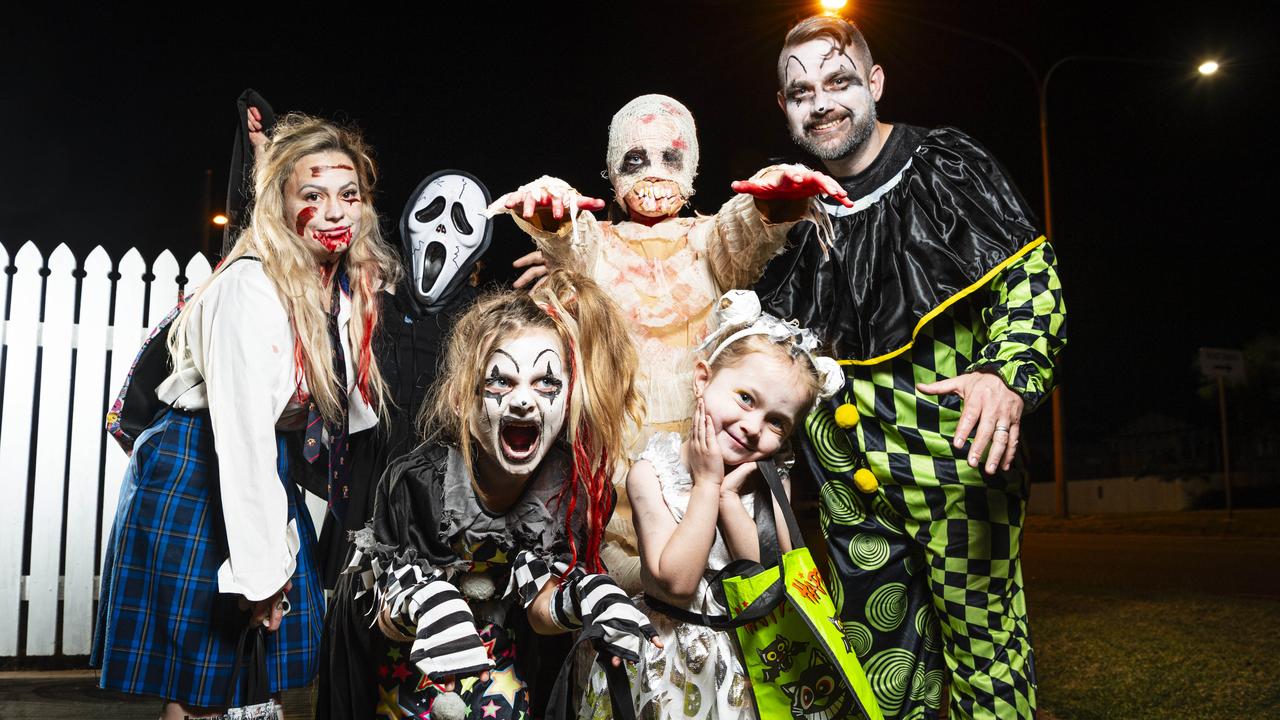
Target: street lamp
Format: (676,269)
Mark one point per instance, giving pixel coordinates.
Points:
(1208,67)
(219,219)
(832,7)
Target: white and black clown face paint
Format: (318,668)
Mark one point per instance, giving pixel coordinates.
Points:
(653,155)
(827,98)
(523,399)
(444,230)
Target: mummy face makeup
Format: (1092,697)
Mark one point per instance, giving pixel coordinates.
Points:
(444,231)
(653,155)
(322,201)
(523,397)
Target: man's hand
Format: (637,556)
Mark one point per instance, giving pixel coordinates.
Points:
(792,182)
(535,266)
(991,407)
(531,198)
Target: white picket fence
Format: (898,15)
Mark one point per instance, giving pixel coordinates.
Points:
(68,343)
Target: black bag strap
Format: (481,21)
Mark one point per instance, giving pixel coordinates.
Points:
(558,706)
(771,477)
(257,687)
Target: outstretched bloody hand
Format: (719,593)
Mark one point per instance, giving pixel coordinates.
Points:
(792,183)
(530,198)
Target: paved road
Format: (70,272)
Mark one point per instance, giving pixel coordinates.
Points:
(1156,563)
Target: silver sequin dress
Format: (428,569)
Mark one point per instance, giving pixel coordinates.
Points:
(698,674)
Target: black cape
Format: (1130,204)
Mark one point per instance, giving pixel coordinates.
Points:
(936,217)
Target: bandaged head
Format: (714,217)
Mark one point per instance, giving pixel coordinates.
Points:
(653,155)
(738,315)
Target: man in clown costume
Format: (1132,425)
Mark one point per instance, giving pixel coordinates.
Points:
(942,299)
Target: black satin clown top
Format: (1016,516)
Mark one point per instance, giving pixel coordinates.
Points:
(935,217)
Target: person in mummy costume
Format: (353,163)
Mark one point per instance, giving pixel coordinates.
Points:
(443,232)
(664,270)
(489,532)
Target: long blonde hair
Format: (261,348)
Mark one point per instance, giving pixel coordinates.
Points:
(287,260)
(602,395)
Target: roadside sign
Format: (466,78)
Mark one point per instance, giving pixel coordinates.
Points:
(1225,364)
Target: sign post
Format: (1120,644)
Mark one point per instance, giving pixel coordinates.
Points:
(1222,366)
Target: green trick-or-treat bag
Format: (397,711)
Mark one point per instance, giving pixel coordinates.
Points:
(794,648)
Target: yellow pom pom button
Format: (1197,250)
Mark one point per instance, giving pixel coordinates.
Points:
(865,480)
(847,416)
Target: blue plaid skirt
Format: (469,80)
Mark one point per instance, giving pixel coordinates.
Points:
(163,628)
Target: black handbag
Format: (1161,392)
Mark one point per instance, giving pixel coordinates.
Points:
(256,702)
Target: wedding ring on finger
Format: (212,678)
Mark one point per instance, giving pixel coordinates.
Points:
(1002,428)
(284,605)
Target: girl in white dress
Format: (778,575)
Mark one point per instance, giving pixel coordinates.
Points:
(694,505)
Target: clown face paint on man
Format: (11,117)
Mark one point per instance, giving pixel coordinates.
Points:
(523,400)
(652,157)
(322,199)
(829,95)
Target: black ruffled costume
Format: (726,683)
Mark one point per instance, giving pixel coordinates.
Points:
(426,515)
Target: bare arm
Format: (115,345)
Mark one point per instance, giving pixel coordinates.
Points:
(673,554)
(540,611)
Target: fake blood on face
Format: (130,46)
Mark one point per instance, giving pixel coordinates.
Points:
(304,218)
(334,240)
(317,169)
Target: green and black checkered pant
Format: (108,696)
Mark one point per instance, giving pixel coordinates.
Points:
(925,567)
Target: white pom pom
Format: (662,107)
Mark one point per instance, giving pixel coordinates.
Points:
(737,308)
(832,376)
(477,586)
(448,706)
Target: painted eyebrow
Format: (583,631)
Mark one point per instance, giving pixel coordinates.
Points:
(513,360)
(544,352)
(349,184)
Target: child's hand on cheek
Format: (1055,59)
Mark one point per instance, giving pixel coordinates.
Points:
(736,479)
(705,464)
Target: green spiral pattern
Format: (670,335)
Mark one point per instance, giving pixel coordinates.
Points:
(887,606)
(917,683)
(830,442)
(889,671)
(859,636)
(839,501)
(886,515)
(835,587)
(927,628)
(916,713)
(933,681)
(869,552)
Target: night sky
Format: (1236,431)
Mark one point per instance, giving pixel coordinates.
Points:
(1163,182)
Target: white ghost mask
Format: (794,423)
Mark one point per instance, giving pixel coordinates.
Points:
(445,231)
(523,398)
(653,155)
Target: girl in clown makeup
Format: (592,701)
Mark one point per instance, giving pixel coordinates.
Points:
(490,531)
(694,504)
(210,534)
(663,270)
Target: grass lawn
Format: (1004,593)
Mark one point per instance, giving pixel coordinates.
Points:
(1131,656)
(1244,523)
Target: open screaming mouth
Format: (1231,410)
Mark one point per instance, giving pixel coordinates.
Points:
(333,240)
(432,265)
(519,439)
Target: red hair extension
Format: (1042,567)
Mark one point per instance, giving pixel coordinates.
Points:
(599,492)
(366,344)
(299,358)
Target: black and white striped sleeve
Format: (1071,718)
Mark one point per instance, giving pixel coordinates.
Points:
(432,610)
(596,600)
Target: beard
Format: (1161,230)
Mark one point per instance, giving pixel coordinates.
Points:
(860,129)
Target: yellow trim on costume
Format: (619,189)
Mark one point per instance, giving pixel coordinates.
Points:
(949,302)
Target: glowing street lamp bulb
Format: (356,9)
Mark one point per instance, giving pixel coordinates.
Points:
(1208,67)
(219,219)
(833,6)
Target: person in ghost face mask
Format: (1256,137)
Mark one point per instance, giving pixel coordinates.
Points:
(489,531)
(664,271)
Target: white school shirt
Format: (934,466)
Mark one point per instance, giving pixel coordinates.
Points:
(241,344)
